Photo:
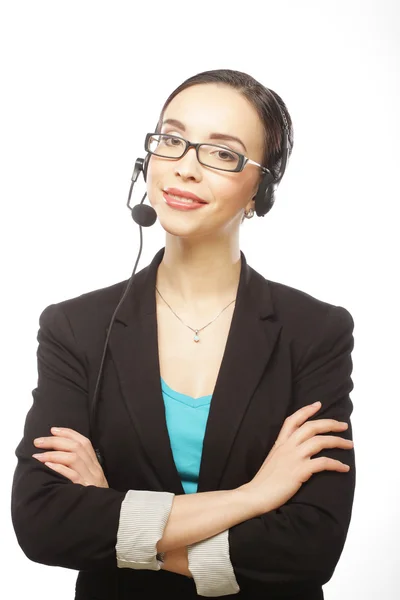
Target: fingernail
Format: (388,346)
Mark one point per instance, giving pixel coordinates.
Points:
(56,429)
(38,441)
(36,455)
(316,403)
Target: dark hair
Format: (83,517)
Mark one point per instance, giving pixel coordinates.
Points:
(260,98)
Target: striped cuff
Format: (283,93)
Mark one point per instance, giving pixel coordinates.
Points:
(211,567)
(142,521)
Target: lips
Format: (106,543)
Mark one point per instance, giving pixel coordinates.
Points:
(184,194)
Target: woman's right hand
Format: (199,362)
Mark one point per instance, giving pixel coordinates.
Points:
(289,463)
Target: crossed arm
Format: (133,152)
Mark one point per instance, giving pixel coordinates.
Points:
(271,547)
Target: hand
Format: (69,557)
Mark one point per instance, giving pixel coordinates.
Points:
(73,456)
(289,463)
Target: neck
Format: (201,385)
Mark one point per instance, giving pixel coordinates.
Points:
(198,274)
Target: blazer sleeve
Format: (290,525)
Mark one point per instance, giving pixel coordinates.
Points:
(58,522)
(301,542)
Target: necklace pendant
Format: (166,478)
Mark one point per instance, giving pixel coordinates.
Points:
(196,337)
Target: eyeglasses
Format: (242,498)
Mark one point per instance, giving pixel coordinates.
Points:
(209,155)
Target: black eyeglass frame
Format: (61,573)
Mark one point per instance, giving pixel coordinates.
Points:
(243,160)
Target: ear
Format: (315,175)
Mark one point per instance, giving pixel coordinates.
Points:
(257,185)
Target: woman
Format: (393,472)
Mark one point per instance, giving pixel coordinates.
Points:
(224,413)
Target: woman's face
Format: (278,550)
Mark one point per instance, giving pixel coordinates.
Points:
(203,110)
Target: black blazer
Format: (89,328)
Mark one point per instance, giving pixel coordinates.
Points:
(285,349)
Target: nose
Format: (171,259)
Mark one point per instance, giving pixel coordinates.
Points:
(188,167)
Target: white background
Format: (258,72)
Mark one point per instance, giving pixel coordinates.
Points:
(83,81)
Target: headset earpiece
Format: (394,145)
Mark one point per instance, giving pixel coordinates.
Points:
(265,192)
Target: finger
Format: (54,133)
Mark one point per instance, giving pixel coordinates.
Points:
(72,434)
(57,443)
(294,421)
(74,443)
(69,459)
(321,442)
(68,473)
(312,428)
(66,459)
(324,463)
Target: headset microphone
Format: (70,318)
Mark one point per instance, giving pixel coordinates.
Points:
(144,215)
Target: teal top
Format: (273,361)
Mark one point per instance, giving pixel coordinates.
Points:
(186,419)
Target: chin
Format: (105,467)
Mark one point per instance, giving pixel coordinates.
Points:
(173,227)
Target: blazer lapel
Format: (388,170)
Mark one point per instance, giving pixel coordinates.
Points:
(252,338)
(134,348)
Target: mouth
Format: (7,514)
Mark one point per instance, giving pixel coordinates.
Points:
(183,196)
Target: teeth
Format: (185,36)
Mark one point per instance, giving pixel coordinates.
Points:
(182,199)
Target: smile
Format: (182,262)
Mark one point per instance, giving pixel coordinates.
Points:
(183,199)
(182,203)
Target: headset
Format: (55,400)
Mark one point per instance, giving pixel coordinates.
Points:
(145,216)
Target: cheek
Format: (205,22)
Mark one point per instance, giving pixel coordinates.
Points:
(235,191)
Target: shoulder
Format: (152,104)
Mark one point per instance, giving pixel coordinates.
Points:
(85,316)
(292,303)
(303,316)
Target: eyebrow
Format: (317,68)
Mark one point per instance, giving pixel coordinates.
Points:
(212,136)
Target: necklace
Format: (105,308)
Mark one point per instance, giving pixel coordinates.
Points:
(196,331)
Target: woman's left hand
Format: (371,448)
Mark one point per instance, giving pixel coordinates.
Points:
(71,455)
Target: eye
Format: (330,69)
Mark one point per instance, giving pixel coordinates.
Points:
(171,141)
(225,155)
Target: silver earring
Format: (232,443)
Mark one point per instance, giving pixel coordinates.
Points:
(249,214)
